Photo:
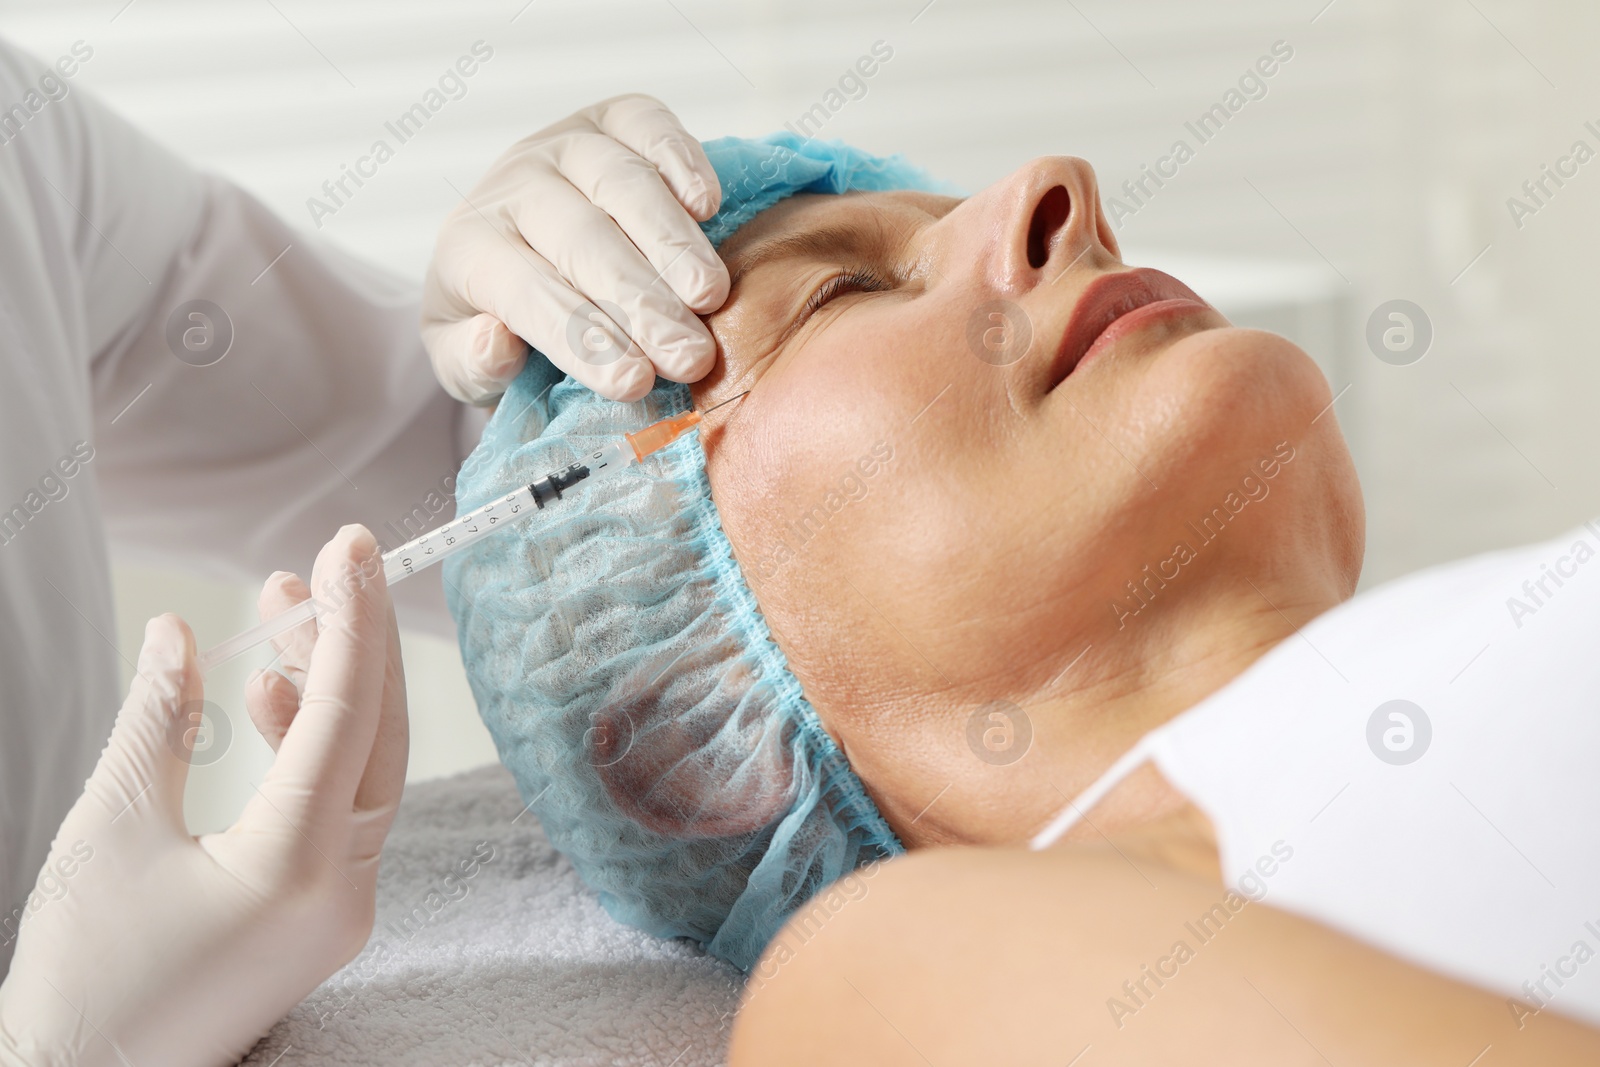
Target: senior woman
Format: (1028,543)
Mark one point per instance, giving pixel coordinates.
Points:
(993,513)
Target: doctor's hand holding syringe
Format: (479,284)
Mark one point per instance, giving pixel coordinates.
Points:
(172,949)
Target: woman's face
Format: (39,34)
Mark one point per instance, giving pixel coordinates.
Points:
(973,444)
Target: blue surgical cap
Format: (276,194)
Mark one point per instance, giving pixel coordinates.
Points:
(622,664)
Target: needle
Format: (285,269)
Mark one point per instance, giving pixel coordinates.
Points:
(720,403)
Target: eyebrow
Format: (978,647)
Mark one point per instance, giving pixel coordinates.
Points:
(824,242)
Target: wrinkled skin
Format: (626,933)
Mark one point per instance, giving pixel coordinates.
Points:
(966,529)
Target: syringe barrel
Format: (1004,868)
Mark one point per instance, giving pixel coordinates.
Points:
(433,546)
(610,457)
(455,535)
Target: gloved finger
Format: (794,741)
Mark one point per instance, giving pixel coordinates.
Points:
(146,760)
(282,591)
(384,778)
(272,701)
(320,762)
(650,129)
(474,358)
(595,257)
(502,276)
(272,697)
(626,187)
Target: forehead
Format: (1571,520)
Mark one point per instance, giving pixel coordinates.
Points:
(813,226)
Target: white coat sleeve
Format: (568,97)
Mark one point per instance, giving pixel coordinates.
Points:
(235,443)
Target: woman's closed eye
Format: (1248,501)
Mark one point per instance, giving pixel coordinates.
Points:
(752,352)
(855,280)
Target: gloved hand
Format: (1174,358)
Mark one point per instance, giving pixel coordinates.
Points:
(167,949)
(581,241)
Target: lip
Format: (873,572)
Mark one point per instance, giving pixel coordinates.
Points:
(1115,306)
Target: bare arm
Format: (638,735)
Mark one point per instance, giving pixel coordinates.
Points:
(998,955)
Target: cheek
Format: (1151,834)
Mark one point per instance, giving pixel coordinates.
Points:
(856,375)
(807,474)
(809,424)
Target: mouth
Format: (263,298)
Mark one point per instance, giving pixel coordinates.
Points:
(1116,306)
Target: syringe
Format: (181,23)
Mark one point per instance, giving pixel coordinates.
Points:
(465,530)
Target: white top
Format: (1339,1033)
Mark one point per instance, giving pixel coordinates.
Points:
(323,411)
(1466,837)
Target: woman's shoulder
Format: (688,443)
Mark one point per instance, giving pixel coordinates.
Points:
(999,955)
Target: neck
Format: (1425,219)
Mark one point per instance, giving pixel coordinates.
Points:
(1134,680)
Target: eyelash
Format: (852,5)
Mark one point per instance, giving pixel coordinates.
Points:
(851,281)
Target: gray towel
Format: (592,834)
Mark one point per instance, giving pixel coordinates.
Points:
(488,950)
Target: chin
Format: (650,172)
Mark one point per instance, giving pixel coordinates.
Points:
(1232,389)
(1245,394)
(1210,407)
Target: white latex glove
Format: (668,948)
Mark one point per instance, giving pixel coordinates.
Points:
(170,950)
(582,242)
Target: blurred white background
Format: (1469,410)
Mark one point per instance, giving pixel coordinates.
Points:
(1377,166)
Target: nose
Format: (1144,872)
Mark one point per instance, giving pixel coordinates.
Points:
(1049,220)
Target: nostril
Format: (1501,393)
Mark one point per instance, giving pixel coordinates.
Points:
(1049,217)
